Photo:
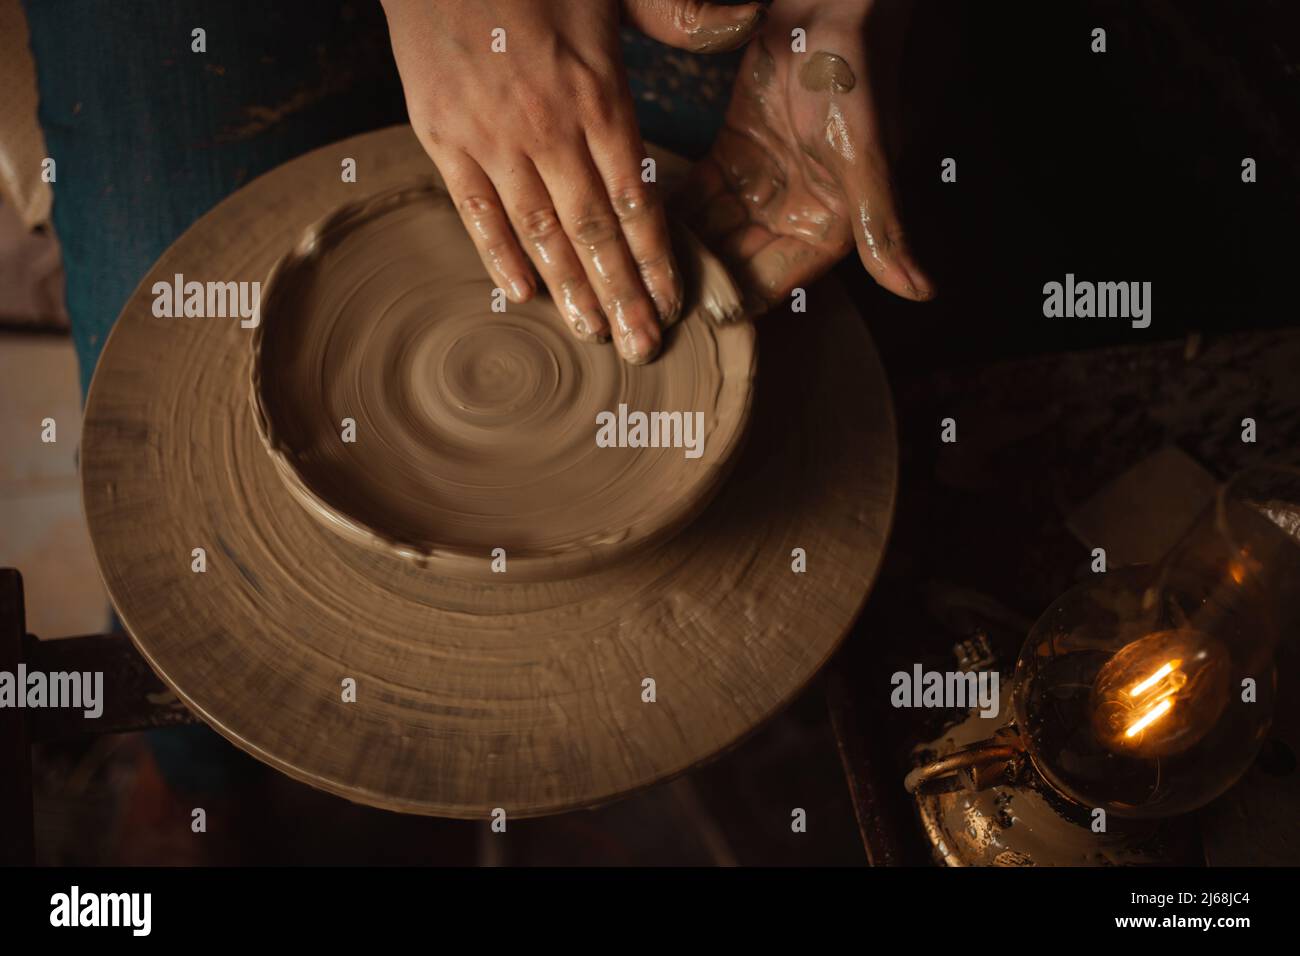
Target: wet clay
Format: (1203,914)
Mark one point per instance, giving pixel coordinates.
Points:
(475,429)
(838,137)
(826,72)
(721,37)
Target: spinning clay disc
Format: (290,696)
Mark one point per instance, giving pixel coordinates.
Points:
(358,671)
(408,407)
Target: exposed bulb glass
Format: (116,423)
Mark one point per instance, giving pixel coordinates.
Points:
(1148,691)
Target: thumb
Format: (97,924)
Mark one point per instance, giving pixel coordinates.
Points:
(882,245)
(877,230)
(695,25)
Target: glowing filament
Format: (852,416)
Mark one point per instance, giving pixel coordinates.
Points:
(1150,717)
(1161,674)
(1160,694)
(1158,689)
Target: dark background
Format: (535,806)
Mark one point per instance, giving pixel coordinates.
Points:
(1121,166)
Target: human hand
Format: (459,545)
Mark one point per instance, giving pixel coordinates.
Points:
(798,175)
(539,147)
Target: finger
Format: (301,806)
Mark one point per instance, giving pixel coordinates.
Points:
(694,25)
(769,274)
(538,227)
(741,184)
(617,151)
(593,228)
(481,211)
(857,156)
(882,244)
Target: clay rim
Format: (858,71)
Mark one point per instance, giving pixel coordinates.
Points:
(526,565)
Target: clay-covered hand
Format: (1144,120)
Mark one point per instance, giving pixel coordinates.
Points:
(798,175)
(525,108)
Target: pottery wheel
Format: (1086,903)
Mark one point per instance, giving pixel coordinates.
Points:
(470,695)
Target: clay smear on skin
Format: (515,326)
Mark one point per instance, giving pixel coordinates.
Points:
(826,72)
(721,37)
(837,134)
(864,223)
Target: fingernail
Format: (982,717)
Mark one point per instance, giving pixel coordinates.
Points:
(670,310)
(520,290)
(743,17)
(739,24)
(638,347)
(585,327)
(917,283)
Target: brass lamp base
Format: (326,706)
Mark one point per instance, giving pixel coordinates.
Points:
(1020,820)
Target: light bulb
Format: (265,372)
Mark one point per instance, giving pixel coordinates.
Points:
(1148,691)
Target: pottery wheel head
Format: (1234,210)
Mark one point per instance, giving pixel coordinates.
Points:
(409,407)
